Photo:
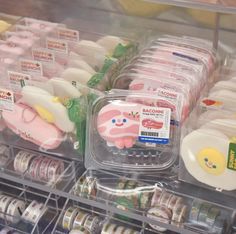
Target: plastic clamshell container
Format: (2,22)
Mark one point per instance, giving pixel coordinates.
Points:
(208,154)
(113,140)
(49,117)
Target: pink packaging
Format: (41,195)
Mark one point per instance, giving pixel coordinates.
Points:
(21,39)
(124,134)
(174,62)
(163,71)
(149,83)
(39,25)
(165,90)
(190,44)
(166,99)
(11,50)
(181,60)
(26,123)
(170,50)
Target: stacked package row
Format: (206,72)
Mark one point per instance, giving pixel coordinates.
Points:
(136,126)
(208,148)
(47,74)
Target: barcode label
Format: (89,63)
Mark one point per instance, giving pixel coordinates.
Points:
(154,125)
(153,134)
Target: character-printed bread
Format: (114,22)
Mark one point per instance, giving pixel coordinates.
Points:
(118,123)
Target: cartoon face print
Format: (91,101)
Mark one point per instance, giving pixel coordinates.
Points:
(212,161)
(119,122)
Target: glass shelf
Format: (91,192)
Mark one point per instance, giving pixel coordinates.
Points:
(224,6)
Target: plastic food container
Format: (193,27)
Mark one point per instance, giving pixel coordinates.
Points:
(124,134)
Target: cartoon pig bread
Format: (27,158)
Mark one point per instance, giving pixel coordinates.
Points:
(118,123)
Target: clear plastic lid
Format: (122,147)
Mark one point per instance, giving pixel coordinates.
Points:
(226,126)
(40,25)
(177,62)
(223,94)
(164,71)
(207,156)
(169,54)
(161,70)
(225,85)
(11,50)
(149,84)
(196,45)
(47,116)
(169,50)
(181,61)
(127,135)
(22,39)
(39,68)
(210,115)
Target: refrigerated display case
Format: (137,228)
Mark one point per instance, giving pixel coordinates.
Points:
(62,172)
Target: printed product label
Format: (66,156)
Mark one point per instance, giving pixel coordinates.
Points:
(78,85)
(6,100)
(154,126)
(31,66)
(45,55)
(57,45)
(185,56)
(68,34)
(212,103)
(188,46)
(169,99)
(17,80)
(232,157)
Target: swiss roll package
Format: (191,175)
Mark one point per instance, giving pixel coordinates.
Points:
(46,116)
(133,131)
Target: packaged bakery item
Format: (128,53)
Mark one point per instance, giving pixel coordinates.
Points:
(133,130)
